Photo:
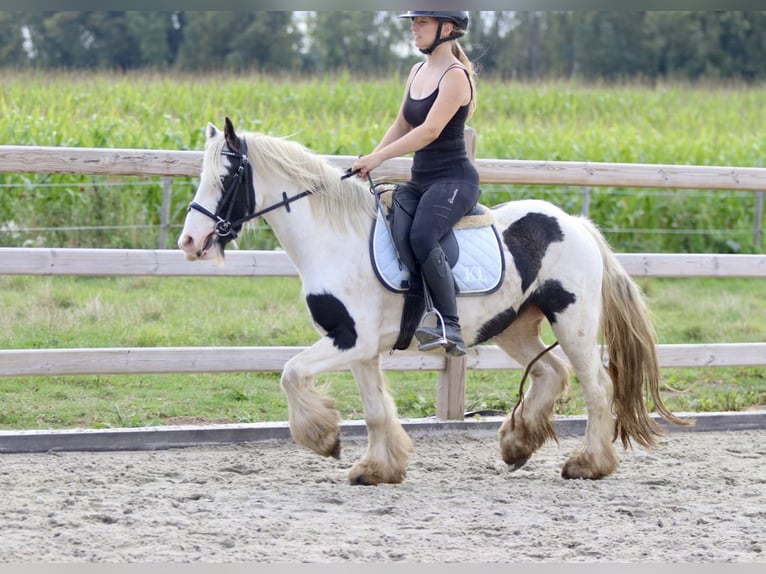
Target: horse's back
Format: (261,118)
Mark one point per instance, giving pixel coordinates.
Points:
(510,211)
(544,215)
(561,243)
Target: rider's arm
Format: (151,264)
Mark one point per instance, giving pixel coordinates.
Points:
(454,91)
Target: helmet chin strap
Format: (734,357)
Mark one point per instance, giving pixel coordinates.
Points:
(439,40)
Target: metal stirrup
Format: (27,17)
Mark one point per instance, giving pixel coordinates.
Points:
(431,310)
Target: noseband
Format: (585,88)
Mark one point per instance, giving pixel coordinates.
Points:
(225,229)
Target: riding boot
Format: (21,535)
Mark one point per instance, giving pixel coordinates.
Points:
(441,287)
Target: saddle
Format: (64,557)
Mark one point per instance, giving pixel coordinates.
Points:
(472,248)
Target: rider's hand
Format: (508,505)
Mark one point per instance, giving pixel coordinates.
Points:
(365,164)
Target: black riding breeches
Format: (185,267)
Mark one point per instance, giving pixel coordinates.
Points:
(436,198)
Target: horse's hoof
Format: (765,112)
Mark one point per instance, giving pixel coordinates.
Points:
(366,475)
(514,454)
(571,472)
(328,449)
(363,480)
(590,465)
(335,452)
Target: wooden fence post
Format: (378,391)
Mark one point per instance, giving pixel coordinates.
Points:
(585,210)
(450,384)
(757,225)
(167,184)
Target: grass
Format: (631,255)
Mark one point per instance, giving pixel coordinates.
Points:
(67,312)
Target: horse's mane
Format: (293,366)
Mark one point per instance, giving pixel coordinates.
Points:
(342,203)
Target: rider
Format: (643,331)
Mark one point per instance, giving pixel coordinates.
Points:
(439,97)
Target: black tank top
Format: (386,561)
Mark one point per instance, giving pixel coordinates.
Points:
(452,136)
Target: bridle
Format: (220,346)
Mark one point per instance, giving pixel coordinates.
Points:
(243,201)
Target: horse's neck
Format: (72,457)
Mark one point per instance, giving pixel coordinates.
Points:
(309,241)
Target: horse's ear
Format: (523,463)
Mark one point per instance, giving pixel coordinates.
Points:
(211,131)
(232,139)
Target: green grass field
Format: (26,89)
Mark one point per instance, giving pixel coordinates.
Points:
(671,124)
(68,312)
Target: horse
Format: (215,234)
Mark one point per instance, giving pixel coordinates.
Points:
(558,267)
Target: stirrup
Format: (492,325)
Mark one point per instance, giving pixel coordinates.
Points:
(432,338)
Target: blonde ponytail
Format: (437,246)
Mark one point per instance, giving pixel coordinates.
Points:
(459,53)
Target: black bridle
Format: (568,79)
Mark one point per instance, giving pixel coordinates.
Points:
(240,206)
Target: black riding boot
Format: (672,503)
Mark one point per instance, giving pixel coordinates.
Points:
(441,287)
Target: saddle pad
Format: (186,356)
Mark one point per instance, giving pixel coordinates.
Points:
(479,269)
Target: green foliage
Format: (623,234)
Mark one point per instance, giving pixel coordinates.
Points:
(528,45)
(342,115)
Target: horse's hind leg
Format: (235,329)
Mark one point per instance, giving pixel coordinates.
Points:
(523,433)
(596,457)
(388,446)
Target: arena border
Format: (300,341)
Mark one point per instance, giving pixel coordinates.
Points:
(184,436)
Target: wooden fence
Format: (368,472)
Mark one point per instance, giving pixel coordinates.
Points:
(451,371)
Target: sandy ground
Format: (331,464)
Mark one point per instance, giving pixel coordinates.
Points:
(701,497)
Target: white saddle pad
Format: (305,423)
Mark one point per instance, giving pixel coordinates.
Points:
(479,268)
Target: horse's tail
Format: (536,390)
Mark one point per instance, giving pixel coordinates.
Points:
(632,349)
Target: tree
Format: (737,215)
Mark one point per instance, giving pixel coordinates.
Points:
(12,52)
(609,45)
(207,39)
(729,45)
(113,44)
(62,41)
(741,47)
(360,42)
(153,34)
(270,43)
(83,40)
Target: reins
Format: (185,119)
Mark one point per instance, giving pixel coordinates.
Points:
(520,401)
(225,228)
(349,172)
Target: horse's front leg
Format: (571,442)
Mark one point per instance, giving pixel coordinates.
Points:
(388,445)
(314,420)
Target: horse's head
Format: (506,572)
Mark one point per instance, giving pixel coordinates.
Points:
(225,198)
(285,172)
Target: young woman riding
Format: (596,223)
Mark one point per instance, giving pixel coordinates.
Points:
(439,97)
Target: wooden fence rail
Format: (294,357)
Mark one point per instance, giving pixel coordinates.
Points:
(450,387)
(170,263)
(156,360)
(93,161)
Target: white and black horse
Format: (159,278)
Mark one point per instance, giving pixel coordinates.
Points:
(557,267)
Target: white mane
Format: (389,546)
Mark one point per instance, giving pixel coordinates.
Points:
(342,203)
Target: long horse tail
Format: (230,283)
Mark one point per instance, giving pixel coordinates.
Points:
(631,344)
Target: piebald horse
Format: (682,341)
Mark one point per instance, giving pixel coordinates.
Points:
(557,267)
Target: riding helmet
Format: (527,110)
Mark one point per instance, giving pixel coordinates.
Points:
(459,17)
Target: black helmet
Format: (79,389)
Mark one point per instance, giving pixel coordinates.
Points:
(459,18)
